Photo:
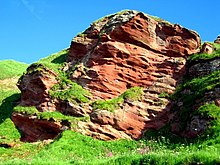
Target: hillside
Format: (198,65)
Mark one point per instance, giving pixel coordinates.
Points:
(118,95)
(11,69)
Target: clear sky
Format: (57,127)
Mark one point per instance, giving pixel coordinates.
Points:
(33,29)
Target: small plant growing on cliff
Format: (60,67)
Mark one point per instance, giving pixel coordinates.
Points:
(57,116)
(133,94)
(164,95)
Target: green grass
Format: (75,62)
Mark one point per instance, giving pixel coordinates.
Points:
(8,131)
(133,94)
(11,68)
(205,56)
(52,116)
(26,110)
(55,61)
(68,90)
(75,148)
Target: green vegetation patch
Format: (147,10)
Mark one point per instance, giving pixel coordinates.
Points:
(53,115)
(8,131)
(68,90)
(55,61)
(211,111)
(11,69)
(133,94)
(164,95)
(193,90)
(205,56)
(74,148)
(26,110)
(202,84)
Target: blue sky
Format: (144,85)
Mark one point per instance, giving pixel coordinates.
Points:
(33,29)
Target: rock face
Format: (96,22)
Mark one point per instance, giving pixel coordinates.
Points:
(116,53)
(131,49)
(203,68)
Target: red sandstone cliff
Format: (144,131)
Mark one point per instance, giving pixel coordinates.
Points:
(116,53)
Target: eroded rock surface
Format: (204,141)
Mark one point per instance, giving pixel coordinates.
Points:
(116,53)
(35,86)
(34,129)
(131,49)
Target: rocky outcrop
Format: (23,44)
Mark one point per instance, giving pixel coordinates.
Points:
(35,86)
(217,41)
(114,54)
(131,49)
(207,48)
(203,68)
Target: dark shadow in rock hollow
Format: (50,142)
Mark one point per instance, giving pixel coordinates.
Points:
(6,108)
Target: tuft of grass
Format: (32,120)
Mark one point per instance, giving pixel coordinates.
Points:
(56,116)
(8,100)
(164,95)
(158,19)
(26,110)
(11,69)
(110,105)
(133,94)
(75,148)
(203,84)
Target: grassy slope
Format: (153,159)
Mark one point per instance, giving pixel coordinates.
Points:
(71,147)
(10,69)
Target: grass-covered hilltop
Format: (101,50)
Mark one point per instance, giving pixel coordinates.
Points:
(114,97)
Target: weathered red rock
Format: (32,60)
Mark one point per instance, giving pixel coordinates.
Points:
(127,50)
(34,129)
(114,54)
(137,51)
(35,86)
